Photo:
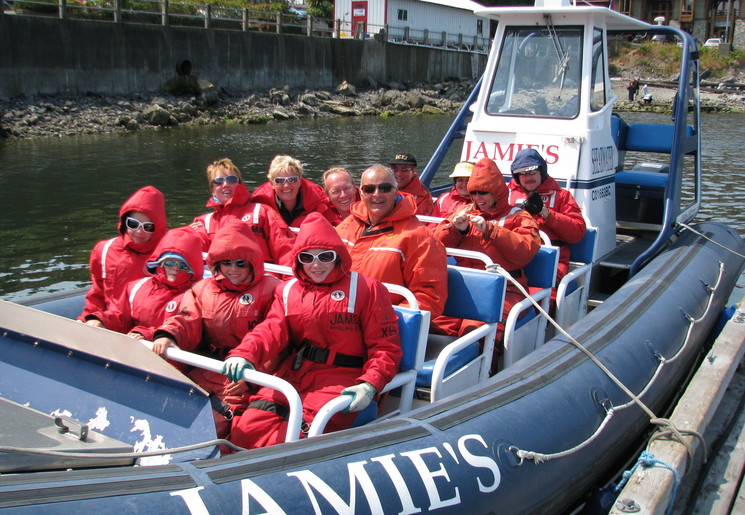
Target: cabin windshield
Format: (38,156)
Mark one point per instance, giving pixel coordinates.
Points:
(538,73)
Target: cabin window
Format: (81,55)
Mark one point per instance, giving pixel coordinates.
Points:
(598,97)
(538,73)
(479,26)
(403,15)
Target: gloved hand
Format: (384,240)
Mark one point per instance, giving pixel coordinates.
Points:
(362,395)
(234,367)
(533,204)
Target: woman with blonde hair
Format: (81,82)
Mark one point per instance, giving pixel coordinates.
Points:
(290,194)
(231,201)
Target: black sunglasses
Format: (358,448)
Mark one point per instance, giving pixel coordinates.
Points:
(369,189)
(240,263)
(478,192)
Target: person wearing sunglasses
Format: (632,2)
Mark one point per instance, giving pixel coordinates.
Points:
(117,261)
(290,194)
(389,243)
(341,192)
(559,217)
(341,333)
(173,267)
(403,165)
(217,312)
(231,201)
(489,225)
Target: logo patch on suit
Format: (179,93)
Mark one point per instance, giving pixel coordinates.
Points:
(337,295)
(171,306)
(246,299)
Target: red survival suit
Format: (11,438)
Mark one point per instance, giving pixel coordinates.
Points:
(311,198)
(511,240)
(338,333)
(448,203)
(116,262)
(398,250)
(272,234)
(216,314)
(565,223)
(147,302)
(422,195)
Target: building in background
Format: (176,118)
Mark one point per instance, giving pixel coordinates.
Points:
(449,23)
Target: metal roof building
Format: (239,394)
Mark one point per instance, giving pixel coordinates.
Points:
(431,22)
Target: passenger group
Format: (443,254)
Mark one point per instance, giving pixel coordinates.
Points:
(329,329)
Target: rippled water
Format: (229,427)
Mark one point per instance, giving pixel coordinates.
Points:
(61,196)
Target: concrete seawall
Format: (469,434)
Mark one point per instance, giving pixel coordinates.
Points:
(53,56)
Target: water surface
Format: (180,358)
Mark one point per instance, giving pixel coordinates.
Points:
(60,196)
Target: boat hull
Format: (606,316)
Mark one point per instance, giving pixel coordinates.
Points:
(459,453)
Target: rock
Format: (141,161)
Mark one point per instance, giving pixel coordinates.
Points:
(156,115)
(428,109)
(346,89)
(309,99)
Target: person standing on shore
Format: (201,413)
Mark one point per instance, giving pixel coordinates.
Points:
(633,87)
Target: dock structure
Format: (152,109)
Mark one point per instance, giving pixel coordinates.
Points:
(711,406)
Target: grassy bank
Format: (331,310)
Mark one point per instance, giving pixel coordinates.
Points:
(653,60)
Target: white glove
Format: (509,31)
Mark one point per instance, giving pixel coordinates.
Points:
(233,368)
(361,394)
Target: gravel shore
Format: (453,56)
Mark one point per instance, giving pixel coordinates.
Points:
(60,116)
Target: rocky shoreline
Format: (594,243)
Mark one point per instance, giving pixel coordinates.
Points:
(61,116)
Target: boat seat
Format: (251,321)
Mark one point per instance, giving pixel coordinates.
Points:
(651,137)
(521,337)
(573,289)
(453,364)
(413,325)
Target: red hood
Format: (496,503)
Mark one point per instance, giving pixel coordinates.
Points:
(235,241)
(185,242)
(150,201)
(487,177)
(316,232)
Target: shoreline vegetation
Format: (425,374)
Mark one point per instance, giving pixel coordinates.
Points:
(74,115)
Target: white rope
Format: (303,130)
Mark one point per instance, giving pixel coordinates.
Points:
(537,457)
(686,226)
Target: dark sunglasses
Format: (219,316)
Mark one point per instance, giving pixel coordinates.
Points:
(369,189)
(240,263)
(134,224)
(479,192)
(527,172)
(231,179)
(174,263)
(327,256)
(289,180)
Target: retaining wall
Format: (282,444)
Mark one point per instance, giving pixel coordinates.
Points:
(53,56)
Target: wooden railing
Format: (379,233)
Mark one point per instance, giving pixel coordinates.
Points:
(168,13)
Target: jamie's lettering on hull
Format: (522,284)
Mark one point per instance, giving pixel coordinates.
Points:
(413,481)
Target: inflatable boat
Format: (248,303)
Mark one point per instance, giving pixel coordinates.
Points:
(95,423)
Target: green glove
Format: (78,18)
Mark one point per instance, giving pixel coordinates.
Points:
(361,394)
(234,367)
